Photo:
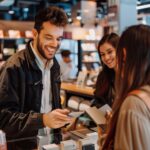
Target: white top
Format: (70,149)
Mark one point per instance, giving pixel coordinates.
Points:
(46,102)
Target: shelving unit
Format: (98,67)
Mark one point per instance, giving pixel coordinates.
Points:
(9,46)
(84,53)
(88,55)
(82,93)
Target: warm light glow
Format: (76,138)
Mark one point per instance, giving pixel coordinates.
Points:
(79,17)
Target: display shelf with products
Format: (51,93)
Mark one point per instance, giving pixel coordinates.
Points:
(81,91)
(12,41)
(88,55)
(9,46)
(77,97)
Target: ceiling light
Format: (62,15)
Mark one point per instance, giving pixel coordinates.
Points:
(26,9)
(11,12)
(143,7)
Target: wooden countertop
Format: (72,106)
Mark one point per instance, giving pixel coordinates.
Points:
(77,89)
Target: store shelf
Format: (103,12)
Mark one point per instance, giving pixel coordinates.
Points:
(88,55)
(90,62)
(75,93)
(89,51)
(9,46)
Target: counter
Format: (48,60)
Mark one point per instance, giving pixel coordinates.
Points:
(76,89)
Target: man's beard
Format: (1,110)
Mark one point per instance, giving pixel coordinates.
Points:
(41,51)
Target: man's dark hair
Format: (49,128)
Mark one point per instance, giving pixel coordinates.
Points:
(65,53)
(53,14)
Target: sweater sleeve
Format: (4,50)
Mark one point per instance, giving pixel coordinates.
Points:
(133,126)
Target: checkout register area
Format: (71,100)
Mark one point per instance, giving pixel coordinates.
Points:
(89,122)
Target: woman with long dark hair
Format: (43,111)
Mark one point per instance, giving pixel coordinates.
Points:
(130,124)
(104,90)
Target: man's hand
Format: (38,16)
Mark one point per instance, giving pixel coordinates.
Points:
(56,118)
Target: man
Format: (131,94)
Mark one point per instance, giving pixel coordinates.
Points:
(30,85)
(65,65)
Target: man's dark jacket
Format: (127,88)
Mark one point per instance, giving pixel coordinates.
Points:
(20,99)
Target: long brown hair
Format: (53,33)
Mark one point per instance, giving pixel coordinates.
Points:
(133,69)
(107,76)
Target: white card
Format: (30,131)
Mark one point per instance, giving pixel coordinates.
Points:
(76,114)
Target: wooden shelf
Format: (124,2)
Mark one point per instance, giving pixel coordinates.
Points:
(90,62)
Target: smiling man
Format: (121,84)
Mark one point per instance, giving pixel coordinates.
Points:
(30,86)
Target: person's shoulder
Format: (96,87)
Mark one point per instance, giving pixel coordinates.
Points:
(15,59)
(18,54)
(131,101)
(135,104)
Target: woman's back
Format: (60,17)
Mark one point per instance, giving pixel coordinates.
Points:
(133,130)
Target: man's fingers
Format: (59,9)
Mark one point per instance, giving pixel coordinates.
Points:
(63,111)
(61,117)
